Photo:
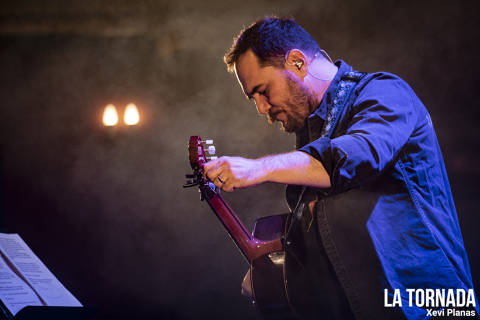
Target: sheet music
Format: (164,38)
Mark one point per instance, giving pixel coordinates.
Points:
(52,292)
(14,292)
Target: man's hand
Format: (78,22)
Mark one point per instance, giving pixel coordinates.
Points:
(295,167)
(230,173)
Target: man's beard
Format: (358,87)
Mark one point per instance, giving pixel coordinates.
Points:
(297,108)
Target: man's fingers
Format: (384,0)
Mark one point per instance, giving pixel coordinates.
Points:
(227,186)
(208,165)
(213,173)
(218,184)
(216,168)
(210,169)
(223,183)
(229,173)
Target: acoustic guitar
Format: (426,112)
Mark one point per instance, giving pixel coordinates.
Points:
(263,248)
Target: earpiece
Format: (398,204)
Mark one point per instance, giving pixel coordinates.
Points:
(299,64)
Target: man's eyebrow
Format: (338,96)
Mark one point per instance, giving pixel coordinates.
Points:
(255,89)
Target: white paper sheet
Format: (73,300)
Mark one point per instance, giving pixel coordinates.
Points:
(14,292)
(52,292)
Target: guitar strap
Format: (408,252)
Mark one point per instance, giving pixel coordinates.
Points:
(347,83)
(335,110)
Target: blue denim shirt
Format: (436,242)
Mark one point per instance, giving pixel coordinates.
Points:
(388,221)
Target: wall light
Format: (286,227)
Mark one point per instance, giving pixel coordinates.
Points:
(131,116)
(110,115)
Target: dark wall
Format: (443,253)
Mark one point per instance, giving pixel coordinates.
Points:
(106,211)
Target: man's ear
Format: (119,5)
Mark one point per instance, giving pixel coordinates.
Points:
(296,62)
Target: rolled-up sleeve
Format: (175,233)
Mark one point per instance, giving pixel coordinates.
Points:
(381,121)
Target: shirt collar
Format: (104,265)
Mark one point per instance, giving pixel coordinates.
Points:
(321,110)
(314,123)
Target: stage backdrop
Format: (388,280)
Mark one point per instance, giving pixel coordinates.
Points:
(105,209)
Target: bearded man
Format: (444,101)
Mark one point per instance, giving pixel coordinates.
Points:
(373,211)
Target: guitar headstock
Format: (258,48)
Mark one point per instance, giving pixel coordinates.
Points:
(196,152)
(198,157)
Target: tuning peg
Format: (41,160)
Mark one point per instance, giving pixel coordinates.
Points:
(189,176)
(209,141)
(212,158)
(211,149)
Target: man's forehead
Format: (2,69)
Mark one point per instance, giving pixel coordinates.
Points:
(248,71)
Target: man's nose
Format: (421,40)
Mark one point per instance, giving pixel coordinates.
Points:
(262,104)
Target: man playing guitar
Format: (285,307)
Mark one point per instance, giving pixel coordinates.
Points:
(372,206)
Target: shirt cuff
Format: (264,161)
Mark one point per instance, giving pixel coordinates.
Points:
(321,149)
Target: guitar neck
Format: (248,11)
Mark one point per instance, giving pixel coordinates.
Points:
(249,246)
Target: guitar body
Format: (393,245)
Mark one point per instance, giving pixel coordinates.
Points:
(269,287)
(289,284)
(268,272)
(286,284)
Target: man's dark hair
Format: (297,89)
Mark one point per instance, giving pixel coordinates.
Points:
(270,39)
